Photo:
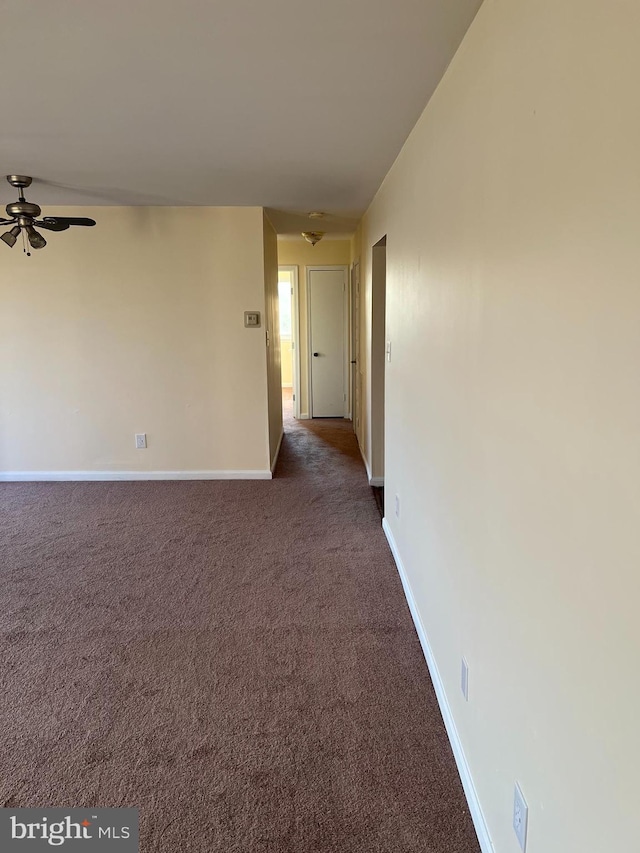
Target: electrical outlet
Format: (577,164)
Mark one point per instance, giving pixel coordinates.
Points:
(520,816)
(464,679)
(141,440)
(397,507)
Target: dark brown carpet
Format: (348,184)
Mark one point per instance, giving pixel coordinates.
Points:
(234,658)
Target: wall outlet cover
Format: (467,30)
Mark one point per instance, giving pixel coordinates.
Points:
(464,679)
(520,816)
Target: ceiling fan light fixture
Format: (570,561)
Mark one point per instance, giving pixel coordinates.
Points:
(313,237)
(10,237)
(36,241)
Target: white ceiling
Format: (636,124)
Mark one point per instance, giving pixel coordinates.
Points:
(288,104)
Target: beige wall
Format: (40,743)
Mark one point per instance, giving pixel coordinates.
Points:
(136,325)
(287,362)
(272,316)
(513,411)
(302,254)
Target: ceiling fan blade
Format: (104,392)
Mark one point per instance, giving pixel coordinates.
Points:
(70,220)
(52,225)
(7,221)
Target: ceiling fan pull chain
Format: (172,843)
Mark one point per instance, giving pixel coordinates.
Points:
(24,244)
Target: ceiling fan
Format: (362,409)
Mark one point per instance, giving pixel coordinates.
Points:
(22,216)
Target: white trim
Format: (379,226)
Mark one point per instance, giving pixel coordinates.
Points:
(295,336)
(90,476)
(365,460)
(292,269)
(346,369)
(304,416)
(350,348)
(479,822)
(355,335)
(373,481)
(277,453)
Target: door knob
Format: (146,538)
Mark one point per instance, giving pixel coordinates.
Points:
(316,354)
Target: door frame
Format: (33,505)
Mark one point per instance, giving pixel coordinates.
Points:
(292,269)
(378,358)
(345,331)
(354,341)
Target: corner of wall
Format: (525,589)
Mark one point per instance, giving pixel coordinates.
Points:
(272,340)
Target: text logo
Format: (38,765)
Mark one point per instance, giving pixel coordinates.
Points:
(114,830)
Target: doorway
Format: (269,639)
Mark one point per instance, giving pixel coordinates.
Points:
(289,336)
(328,371)
(355,391)
(380,353)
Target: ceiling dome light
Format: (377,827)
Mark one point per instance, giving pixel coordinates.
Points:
(313,237)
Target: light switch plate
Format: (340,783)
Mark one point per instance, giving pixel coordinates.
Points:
(252,319)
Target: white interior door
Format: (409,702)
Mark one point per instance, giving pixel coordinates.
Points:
(326,292)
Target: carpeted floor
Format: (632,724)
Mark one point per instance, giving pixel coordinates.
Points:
(234,658)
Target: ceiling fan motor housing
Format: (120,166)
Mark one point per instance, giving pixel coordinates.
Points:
(23,208)
(19,181)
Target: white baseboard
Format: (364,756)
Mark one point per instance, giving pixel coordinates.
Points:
(373,481)
(365,460)
(468,785)
(304,416)
(90,476)
(277,453)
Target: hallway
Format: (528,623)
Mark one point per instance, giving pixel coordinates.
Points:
(234,658)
